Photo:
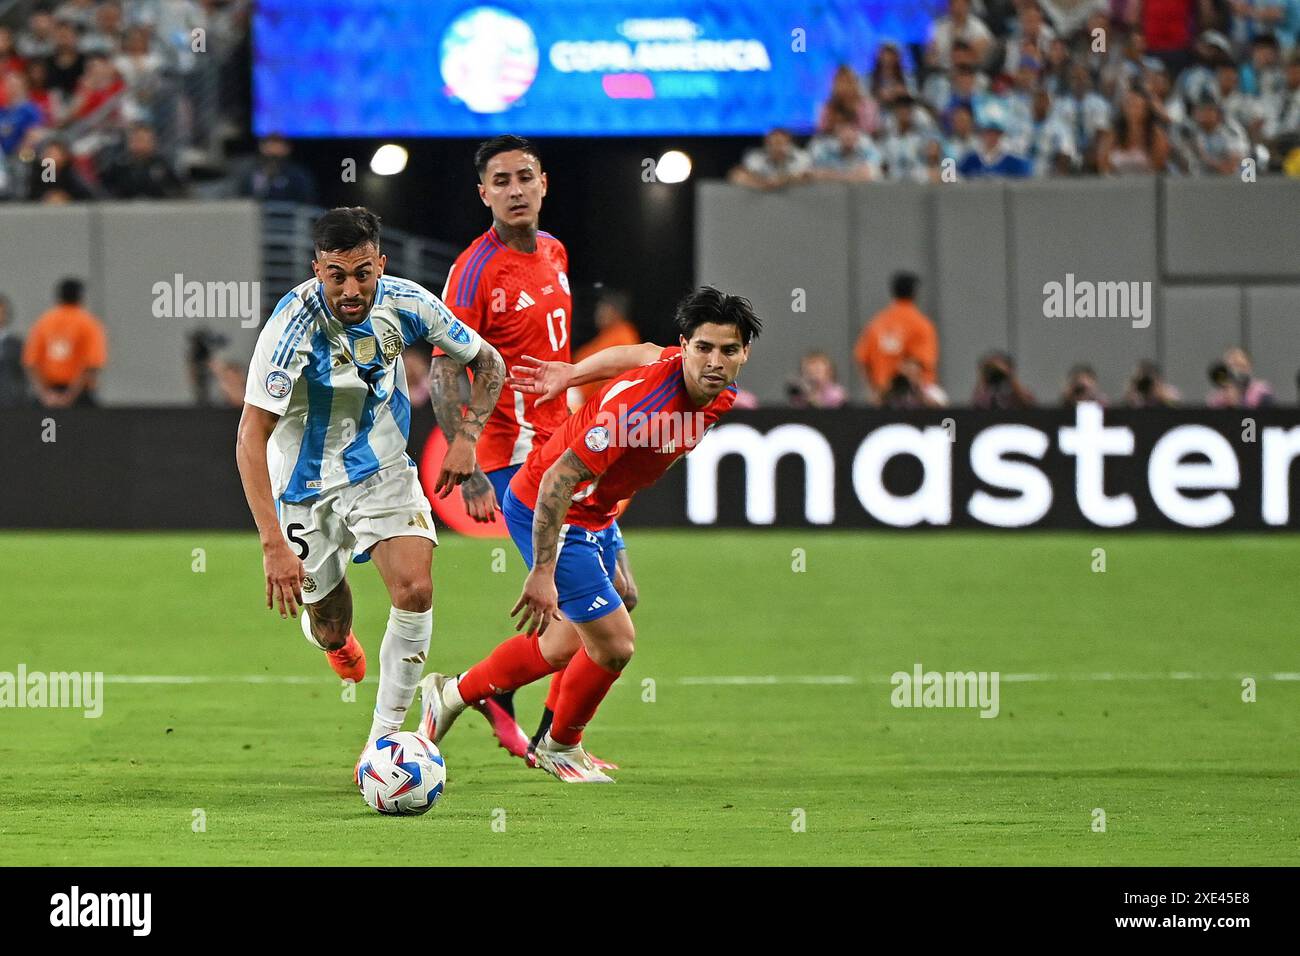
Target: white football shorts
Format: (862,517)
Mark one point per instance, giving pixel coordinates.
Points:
(341,526)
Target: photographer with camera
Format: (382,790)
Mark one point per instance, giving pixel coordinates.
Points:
(898,332)
(1148,388)
(816,385)
(909,389)
(998,387)
(1081,386)
(1235,385)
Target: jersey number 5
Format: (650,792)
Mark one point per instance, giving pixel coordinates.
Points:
(297,542)
(555,329)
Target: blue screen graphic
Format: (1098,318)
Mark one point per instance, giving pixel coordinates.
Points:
(560,67)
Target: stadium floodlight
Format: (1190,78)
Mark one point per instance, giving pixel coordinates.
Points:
(389,160)
(674,166)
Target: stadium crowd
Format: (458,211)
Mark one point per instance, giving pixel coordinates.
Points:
(117,99)
(1039,88)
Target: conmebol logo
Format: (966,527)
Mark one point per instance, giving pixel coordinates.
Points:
(489,59)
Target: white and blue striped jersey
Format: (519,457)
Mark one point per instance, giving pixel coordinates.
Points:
(340,390)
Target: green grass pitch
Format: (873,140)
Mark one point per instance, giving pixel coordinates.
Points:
(1120,691)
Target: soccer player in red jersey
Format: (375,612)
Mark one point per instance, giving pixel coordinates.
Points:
(560,508)
(511,286)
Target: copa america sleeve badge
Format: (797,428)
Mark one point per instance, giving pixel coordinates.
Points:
(278,384)
(597,438)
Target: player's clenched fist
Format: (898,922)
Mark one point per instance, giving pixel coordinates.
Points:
(539,603)
(284,576)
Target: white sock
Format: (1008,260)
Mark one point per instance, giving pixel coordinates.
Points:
(451,694)
(401,662)
(306,628)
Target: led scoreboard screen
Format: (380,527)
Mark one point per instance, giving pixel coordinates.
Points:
(560,67)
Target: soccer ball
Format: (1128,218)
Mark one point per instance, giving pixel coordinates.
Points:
(401,773)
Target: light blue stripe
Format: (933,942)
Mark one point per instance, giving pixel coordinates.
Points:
(359,458)
(401,407)
(320,401)
(412,327)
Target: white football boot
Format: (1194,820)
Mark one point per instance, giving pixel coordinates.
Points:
(437,712)
(570,764)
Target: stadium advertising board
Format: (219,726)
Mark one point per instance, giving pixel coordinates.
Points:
(1080,468)
(948,468)
(561,68)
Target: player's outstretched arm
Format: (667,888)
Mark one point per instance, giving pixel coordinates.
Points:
(551,379)
(445,378)
(284,569)
(539,600)
(489,378)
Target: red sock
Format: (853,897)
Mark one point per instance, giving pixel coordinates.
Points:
(553,695)
(515,662)
(585,685)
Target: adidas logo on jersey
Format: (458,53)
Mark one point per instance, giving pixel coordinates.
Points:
(524,301)
(598,604)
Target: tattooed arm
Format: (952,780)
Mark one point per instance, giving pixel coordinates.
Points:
(445,378)
(539,600)
(489,377)
(551,379)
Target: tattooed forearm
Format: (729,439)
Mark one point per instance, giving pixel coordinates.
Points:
(445,378)
(553,500)
(489,378)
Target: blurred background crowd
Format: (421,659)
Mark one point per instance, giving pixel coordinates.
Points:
(1039,88)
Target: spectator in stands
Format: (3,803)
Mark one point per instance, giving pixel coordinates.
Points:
(37,41)
(961,133)
(897,332)
(66,351)
(779,163)
(932,168)
(848,100)
(1283,110)
(959,23)
(80,13)
(816,385)
(1235,385)
(142,173)
(909,389)
(49,103)
(1086,111)
(13,382)
(98,92)
(54,177)
(10,61)
(613,327)
(1197,80)
(993,157)
(889,78)
(417,361)
(903,149)
(846,155)
(1147,388)
(1081,386)
(1255,18)
(66,64)
(1215,145)
(1263,75)
(1243,109)
(274,175)
(1052,151)
(1030,36)
(998,386)
(141,68)
(1137,144)
(19,116)
(104,36)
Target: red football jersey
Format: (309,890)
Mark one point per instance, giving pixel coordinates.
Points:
(520,303)
(629,433)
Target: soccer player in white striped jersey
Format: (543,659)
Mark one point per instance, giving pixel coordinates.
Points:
(322,451)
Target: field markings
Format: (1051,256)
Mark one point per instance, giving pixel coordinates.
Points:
(738,680)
